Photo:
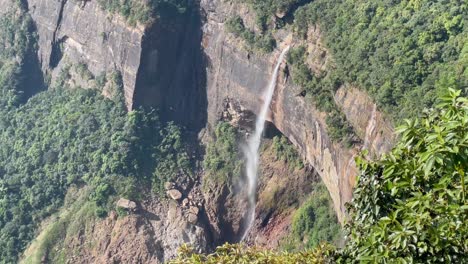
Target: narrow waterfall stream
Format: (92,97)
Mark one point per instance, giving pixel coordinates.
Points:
(253,144)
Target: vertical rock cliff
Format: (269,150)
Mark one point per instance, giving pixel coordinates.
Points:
(160,62)
(73,32)
(188,66)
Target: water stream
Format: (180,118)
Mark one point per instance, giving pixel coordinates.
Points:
(253,144)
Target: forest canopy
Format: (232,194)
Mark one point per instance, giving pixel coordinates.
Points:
(61,138)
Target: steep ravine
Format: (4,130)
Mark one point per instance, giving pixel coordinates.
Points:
(189,68)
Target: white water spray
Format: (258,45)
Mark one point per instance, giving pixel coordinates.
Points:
(253,144)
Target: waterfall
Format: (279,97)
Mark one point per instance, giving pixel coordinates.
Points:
(370,128)
(253,144)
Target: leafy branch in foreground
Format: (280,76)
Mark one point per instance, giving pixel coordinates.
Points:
(240,254)
(410,206)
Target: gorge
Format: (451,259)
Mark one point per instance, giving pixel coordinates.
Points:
(132,128)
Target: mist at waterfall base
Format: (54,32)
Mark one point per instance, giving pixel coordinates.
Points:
(253,144)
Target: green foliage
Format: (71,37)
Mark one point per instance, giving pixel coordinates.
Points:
(243,255)
(139,11)
(223,162)
(321,89)
(396,50)
(235,25)
(315,222)
(410,206)
(265,9)
(339,128)
(286,152)
(264,43)
(16,41)
(75,218)
(172,155)
(84,72)
(57,139)
(61,138)
(133,11)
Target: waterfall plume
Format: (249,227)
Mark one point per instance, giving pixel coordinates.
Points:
(253,144)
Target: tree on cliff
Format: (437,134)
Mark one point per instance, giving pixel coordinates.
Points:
(409,206)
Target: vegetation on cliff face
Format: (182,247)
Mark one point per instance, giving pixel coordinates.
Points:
(17,39)
(409,206)
(223,160)
(69,137)
(397,51)
(264,43)
(314,223)
(286,152)
(142,11)
(320,89)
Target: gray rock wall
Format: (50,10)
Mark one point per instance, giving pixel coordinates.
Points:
(81,32)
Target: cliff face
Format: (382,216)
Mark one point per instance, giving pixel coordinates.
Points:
(160,62)
(81,32)
(241,77)
(192,70)
(163,65)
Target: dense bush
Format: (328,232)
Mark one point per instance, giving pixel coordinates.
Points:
(410,206)
(320,90)
(285,151)
(314,223)
(223,159)
(133,11)
(16,40)
(61,138)
(172,156)
(266,9)
(264,43)
(245,255)
(396,50)
(142,11)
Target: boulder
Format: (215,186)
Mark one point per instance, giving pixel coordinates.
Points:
(126,204)
(174,194)
(168,185)
(194,210)
(192,218)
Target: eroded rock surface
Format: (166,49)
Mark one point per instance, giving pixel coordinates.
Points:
(72,32)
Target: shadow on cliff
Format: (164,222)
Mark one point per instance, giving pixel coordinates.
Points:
(31,79)
(172,73)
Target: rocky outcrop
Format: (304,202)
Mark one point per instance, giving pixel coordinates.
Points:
(160,62)
(72,32)
(151,232)
(241,76)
